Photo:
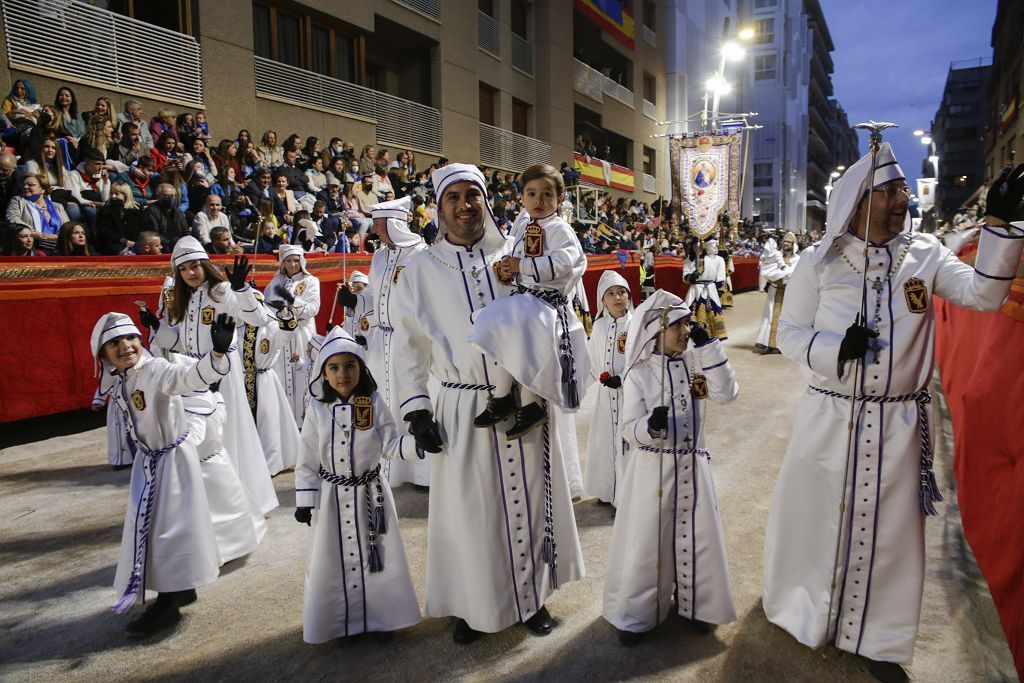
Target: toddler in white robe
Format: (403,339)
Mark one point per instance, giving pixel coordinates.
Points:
(357,577)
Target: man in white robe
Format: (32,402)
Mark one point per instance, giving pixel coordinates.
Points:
(775,268)
(844,549)
(501,535)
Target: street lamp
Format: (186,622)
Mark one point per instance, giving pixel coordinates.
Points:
(731,51)
(831,177)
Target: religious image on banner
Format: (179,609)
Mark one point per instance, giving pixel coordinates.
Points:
(926,193)
(706,179)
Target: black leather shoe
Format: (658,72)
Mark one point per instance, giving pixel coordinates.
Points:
(184,598)
(463,634)
(497,410)
(528,418)
(158,617)
(701,627)
(383,636)
(630,638)
(541,623)
(887,672)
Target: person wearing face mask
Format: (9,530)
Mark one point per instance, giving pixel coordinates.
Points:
(35,208)
(8,189)
(164,218)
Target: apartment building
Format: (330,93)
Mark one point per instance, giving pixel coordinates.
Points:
(956,152)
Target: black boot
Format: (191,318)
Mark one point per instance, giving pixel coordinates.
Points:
(160,616)
(630,638)
(184,598)
(463,634)
(887,672)
(541,623)
(701,627)
(528,418)
(497,410)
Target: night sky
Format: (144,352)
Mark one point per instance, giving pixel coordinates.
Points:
(891,60)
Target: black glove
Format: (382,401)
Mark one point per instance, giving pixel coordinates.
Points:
(699,335)
(658,421)
(692,277)
(424,430)
(613,382)
(1003,198)
(855,343)
(276,304)
(304,516)
(147,318)
(238,274)
(285,295)
(222,333)
(346,298)
(361,340)
(330,326)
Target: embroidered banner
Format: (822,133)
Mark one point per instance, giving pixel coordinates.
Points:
(706,179)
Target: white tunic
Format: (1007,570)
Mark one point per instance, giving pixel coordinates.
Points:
(383,292)
(773,271)
(714,272)
(342,596)
(298,324)
(191,337)
(604,445)
(486,522)
(260,348)
(177,550)
(692,560)
(880,572)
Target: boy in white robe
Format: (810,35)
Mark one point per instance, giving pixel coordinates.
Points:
(775,268)
(168,544)
(706,274)
(671,544)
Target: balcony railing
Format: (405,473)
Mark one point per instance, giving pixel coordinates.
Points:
(649,36)
(650,184)
(488,34)
(511,151)
(432,8)
(522,54)
(588,81)
(109,50)
(618,92)
(650,110)
(400,122)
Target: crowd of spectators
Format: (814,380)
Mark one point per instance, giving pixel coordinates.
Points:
(84,182)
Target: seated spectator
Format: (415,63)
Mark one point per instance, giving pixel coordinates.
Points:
(327,226)
(103,110)
(226,188)
(304,231)
(73,240)
(89,184)
(353,175)
(285,204)
(8,186)
(290,170)
(311,149)
(315,178)
(244,136)
(49,159)
(173,175)
(163,123)
(292,143)
(569,174)
(359,214)
(382,158)
(184,126)
(133,114)
(202,127)
(334,202)
(348,152)
(99,136)
(265,212)
(222,243)
(164,218)
(199,154)
(35,209)
(131,148)
(149,244)
(119,221)
(270,155)
(226,154)
(66,105)
(269,240)
(334,149)
(143,179)
(381,183)
(49,125)
(337,169)
(197,188)
(164,151)
(259,187)
(19,241)
(21,106)
(212,216)
(367,161)
(247,161)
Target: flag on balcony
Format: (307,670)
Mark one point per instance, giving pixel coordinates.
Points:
(610,16)
(706,179)
(600,172)
(926,194)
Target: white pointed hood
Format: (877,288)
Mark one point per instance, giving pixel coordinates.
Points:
(286,250)
(188,249)
(609,279)
(337,341)
(645,325)
(396,212)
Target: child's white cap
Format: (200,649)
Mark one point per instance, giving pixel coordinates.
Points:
(337,341)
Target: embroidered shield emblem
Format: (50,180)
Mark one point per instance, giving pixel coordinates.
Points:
(300,288)
(364,324)
(397,271)
(207,315)
(362,413)
(139,400)
(533,242)
(265,346)
(699,386)
(620,342)
(916,293)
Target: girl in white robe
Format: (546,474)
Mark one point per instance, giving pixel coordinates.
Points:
(607,366)
(296,318)
(184,327)
(682,532)
(357,577)
(168,544)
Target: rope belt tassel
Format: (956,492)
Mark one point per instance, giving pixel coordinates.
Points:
(376,520)
(928,489)
(549,549)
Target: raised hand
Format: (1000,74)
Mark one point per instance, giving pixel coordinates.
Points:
(222,333)
(238,274)
(699,335)
(1003,198)
(147,318)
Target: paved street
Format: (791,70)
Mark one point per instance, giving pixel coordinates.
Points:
(61,511)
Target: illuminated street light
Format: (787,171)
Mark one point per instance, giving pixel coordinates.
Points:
(733,51)
(718,85)
(926,140)
(840,168)
(745,34)
(918,132)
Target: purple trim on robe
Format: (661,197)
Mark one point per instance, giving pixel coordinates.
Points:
(809,346)
(508,529)
(1001,236)
(529,523)
(874,529)
(717,365)
(994,277)
(413,398)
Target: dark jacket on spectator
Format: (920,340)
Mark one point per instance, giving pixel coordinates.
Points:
(333,205)
(296,178)
(113,226)
(255,193)
(267,246)
(168,221)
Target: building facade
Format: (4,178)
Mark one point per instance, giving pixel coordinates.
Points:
(485,82)
(1004,128)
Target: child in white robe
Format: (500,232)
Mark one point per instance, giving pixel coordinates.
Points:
(357,577)
(607,366)
(168,543)
(678,531)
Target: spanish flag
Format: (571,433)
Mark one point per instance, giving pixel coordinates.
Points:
(609,15)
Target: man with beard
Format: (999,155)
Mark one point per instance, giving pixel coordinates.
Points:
(501,535)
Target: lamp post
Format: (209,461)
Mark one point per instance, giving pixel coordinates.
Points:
(831,178)
(717,85)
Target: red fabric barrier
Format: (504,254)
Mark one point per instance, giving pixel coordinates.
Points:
(596,265)
(980,358)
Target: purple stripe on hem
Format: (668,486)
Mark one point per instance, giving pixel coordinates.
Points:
(874,530)
(994,277)
(1005,237)
(809,346)
(529,523)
